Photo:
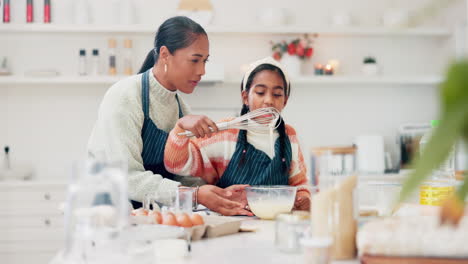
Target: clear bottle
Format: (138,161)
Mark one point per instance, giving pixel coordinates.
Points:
(127,60)
(112,57)
(441,183)
(82,63)
(96,212)
(95,63)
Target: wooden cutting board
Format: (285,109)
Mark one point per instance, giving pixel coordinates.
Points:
(369,259)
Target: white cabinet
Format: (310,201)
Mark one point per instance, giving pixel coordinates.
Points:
(31,222)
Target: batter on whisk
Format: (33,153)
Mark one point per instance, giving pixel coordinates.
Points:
(237,156)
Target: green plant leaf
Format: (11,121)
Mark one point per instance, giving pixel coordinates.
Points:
(463,190)
(437,149)
(454,90)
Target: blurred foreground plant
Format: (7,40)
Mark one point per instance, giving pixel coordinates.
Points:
(453,127)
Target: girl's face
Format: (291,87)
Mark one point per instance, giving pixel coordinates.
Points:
(186,66)
(267,90)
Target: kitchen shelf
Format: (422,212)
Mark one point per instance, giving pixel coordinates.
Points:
(349,31)
(414,80)
(108,80)
(365,80)
(147,29)
(70,80)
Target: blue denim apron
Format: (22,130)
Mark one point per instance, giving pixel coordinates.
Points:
(256,167)
(154,139)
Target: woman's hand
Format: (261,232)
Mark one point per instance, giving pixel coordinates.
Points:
(218,200)
(238,193)
(199,125)
(302,201)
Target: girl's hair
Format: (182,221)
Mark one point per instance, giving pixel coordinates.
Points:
(281,127)
(175,33)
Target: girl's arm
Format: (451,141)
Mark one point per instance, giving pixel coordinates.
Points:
(206,157)
(298,172)
(184,156)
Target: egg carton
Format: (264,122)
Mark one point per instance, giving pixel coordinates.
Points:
(214,226)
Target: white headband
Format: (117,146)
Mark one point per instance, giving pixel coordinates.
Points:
(267,60)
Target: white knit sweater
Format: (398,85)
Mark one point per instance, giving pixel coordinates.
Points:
(117,132)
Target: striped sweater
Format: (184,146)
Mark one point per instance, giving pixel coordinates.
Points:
(208,158)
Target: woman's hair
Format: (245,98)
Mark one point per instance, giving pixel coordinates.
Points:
(281,127)
(175,33)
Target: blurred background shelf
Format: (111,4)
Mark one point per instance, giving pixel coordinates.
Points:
(411,80)
(282,30)
(76,80)
(109,80)
(395,80)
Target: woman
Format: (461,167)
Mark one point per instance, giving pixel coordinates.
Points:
(246,157)
(137,113)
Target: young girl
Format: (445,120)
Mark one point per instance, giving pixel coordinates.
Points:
(244,157)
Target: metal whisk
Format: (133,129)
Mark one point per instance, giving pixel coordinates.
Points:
(262,119)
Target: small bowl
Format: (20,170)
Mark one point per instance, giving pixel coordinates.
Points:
(267,202)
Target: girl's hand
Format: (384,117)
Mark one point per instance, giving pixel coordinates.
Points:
(218,200)
(199,125)
(302,201)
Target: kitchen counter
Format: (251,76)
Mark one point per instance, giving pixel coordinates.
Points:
(245,247)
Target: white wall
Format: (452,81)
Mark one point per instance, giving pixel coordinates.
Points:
(49,125)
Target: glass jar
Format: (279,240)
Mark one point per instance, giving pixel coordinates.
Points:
(289,230)
(317,250)
(441,183)
(334,211)
(333,161)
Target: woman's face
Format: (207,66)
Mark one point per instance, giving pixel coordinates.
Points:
(186,66)
(267,90)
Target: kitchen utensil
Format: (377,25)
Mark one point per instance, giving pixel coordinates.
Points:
(370,154)
(262,119)
(21,171)
(4,69)
(7,164)
(408,139)
(267,202)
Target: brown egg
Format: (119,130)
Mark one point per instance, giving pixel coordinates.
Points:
(169,218)
(197,219)
(184,220)
(139,212)
(156,216)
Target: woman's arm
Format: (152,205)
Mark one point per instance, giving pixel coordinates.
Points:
(117,136)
